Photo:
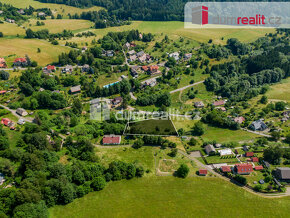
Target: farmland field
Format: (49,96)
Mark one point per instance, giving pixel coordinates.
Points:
(280,91)
(56,26)
(172,197)
(58,8)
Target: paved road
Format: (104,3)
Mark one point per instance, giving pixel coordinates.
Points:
(185,87)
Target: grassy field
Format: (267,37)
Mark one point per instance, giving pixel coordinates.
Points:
(11,29)
(57,8)
(175,30)
(151,127)
(21,47)
(173,197)
(280,91)
(226,135)
(56,26)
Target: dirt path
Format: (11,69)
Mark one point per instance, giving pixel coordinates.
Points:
(185,87)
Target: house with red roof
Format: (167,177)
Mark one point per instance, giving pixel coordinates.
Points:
(202,172)
(226,169)
(112,140)
(239,120)
(249,154)
(2,92)
(145,68)
(243,169)
(255,159)
(3,63)
(7,122)
(153,69)
(259,167)
(20,62)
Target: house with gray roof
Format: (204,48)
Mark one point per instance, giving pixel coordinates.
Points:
(283,173)
(2,178)
(210,150)
(258,125)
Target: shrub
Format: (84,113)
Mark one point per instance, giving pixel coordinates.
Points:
(182,171)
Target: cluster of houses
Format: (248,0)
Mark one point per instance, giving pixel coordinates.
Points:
(286,115)
(140,56)
(152,70)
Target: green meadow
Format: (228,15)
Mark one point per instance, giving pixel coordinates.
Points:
(172,197)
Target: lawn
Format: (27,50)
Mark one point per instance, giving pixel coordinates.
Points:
(226,135)
(57,8)
(173,197)
(9,29)
(21,47)
(151,127)
(56,26)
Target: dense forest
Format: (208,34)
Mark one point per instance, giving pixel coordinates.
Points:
(154,10)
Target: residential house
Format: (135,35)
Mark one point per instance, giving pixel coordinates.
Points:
(226,169)
(243,169)
(2,178)
(134,71)
(202,172)
(41,89)
(283,173)
(255,159)
(145,68)
(49,69)
(154,69)
(2,92)
(21,11)
(219,103)
(21,122)
(127,45)
(249,154)
(21,112)
(140,54)
(132,58)
(67,69)
(10,20)
(110,53)
(84,48)
(132,52)
(239,120)
(3,63)
(20,62)
(223,109)
(187,56)
(75,89)
(258,125)
(210,150)
(174,55)
(132,44)
(150,82)
(1,12)
(111,140)
(225,152)
(259,167)
(85,68)
(41,14)
(142,58)
(6,122)
(199,104)
(117,100)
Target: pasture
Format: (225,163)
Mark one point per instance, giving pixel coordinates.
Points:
(20,47)
(280,91)
(173,197)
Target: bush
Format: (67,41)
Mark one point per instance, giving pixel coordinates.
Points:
(98,183)
(241,179)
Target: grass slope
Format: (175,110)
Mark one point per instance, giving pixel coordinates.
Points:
(56,26)
(280,91)
(20,47)
(11,29)
(57,8)
(172,197)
